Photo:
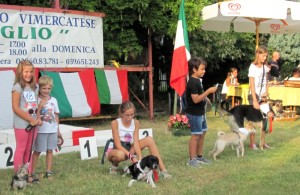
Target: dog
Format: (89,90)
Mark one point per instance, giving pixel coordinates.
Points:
(143,170)
(235,139)
(19,180)
(277,107)
(258,117)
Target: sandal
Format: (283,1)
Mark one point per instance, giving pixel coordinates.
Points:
(32,179)
(49,174)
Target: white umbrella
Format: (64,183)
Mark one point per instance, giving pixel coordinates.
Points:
(254,16)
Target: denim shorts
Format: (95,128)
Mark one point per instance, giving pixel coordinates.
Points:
(198,123)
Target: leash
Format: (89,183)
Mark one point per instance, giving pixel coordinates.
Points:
(139,166)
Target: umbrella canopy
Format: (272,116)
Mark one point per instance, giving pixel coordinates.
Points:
(254,16)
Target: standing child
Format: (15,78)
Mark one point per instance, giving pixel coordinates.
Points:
(24,106)
(48,132)
(258,81)
(195,111)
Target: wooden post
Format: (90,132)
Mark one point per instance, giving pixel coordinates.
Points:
(151,115)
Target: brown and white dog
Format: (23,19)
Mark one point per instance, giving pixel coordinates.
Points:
(235,139)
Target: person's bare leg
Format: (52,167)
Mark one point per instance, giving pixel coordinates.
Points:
(200,144)
(193,143)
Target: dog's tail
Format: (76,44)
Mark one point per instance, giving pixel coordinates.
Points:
(221,133)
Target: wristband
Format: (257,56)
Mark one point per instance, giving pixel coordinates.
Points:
(130,157)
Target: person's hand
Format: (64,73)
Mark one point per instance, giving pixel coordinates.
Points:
(42,103)
(270,114)
(34,122)
(40,122)
(212,89)
(132,158)
(256,105)
(59,134)
(207,100)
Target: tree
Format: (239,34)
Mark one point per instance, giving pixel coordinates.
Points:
(288,45)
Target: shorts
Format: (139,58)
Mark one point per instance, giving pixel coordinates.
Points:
(198,124)
(126,145)
(45,141)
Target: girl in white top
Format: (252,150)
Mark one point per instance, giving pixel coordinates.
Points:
(258,88)
(127,145)
(231,80)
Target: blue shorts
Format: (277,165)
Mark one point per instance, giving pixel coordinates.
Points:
(198,124)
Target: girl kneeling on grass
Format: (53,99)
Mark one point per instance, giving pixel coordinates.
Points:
(127,145)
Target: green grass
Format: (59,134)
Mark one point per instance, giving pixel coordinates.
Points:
(273,171)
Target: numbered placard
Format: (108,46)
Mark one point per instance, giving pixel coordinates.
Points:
(144,133)
(7,152)
(88,148)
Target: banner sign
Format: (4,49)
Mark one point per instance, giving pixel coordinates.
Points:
(50,39)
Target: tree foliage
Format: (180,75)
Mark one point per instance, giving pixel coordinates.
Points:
(288,45)
(128,23)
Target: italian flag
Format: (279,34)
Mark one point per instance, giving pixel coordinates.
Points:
(76,93)
(112,86)
(181,55)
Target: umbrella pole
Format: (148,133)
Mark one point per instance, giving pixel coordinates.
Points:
(257,34)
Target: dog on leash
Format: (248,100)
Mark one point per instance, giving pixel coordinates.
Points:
(235,139)
(258,117)
(277,106)
(19,180)
(143,170)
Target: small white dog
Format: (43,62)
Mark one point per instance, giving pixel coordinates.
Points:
(235,139)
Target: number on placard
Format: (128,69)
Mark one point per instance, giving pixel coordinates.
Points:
(9,161)
(87,145)
(146,133)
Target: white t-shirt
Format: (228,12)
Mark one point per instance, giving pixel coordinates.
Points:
(294,79)
(257,74)
(225,88)
(48,116)
(126,133)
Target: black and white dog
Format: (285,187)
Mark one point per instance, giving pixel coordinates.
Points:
(239,113)
(143,170)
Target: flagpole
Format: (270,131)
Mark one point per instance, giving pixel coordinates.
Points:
(181,56)
(175,104)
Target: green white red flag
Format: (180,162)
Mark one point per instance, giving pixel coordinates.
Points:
(181,55)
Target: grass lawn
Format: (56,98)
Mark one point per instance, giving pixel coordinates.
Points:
(274,171)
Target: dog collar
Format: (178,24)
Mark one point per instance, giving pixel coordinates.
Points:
(139,166)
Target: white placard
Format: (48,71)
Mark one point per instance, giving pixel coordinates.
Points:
(7,152)
(88,148)
(144,133)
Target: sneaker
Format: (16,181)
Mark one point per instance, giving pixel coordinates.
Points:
(203,160)
(253,147)
(193,163)
(165,174)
